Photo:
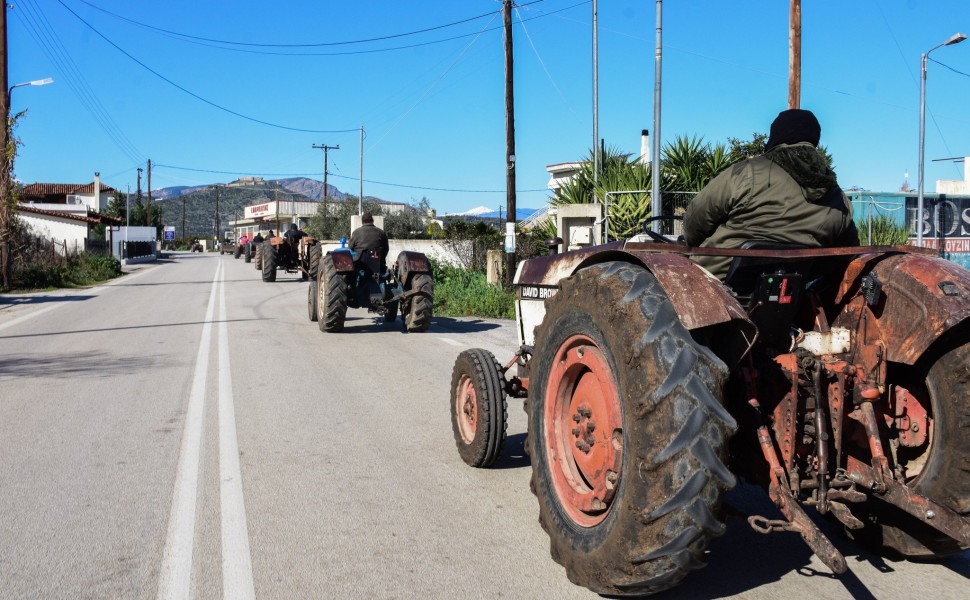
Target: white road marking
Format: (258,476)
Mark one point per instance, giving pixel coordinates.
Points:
(452,342)
(237,567)
(175,578)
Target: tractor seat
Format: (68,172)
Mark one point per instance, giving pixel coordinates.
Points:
(744,273)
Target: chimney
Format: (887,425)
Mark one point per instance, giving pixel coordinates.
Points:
(97,192)
(644,147)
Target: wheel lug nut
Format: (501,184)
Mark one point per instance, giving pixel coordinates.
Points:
(591,426)
(583,446)
(590,439)
(576,431)
(577,418)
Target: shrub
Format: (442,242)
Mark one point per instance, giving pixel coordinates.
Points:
(462,293)
(882,231)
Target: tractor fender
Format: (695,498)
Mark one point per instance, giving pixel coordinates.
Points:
(922,298)
(699,299)
(343,261)
(409,263)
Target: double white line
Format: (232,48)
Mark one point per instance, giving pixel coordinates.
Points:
(175,579)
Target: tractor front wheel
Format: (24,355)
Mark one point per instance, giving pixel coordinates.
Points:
(268,262)
(331,297)
(479,409)
(627,434)
(311,300)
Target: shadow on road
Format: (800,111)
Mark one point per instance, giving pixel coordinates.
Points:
(8,301)
(463,325)
(513,454)
(60,364)
(153,326)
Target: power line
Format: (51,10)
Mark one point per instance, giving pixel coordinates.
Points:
(43,33)
(400,185)
(215,43)
(949,67)
(309,45)
(193,94)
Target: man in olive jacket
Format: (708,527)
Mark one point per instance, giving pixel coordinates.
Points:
(787,195)
(369,237)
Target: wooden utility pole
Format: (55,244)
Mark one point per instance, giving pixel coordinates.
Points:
(326,190)
(148,208)
(183,216)
(216,223)
(509,148)
(795,54)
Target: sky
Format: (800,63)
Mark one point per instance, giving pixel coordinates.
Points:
(212,90)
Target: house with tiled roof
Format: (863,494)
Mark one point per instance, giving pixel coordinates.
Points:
(67,212)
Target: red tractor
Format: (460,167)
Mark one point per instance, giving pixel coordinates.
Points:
(341,279)
(837,379)
(291,256)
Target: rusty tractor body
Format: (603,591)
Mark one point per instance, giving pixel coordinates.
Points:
(280,253)
(345,280)
(837,379)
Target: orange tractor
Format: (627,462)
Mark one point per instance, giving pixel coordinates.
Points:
(836,379)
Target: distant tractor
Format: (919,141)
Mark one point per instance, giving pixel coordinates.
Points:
(277,253)
(340,280)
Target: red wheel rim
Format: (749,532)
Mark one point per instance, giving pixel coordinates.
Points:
(466,409)
(583,430)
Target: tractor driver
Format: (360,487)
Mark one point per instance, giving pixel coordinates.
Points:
(369,237)
(294,234)
(786,195)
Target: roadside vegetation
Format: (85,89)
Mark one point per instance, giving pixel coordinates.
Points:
(42,264)
(882,231)
(459,292)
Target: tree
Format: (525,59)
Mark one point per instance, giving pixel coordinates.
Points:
(408,223)
(332,220)
(118,207)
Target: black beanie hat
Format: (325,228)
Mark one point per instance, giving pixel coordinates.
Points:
(793,126)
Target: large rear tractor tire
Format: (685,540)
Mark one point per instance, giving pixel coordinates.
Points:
(479,409)
(417,314)
(258,256)
(331,298)
(940,381)
(311,300)
(248,252)
(236,252)
(316,252)
(268,263)
(627,434)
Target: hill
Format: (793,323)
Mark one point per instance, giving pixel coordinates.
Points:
(200,204)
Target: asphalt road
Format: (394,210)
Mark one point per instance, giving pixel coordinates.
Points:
(185,431)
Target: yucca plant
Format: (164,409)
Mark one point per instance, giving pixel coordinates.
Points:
(882,230)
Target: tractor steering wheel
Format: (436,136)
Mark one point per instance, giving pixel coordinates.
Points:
(656,236)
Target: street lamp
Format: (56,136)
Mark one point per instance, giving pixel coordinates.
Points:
(44,81)
(956,38)
(6,268)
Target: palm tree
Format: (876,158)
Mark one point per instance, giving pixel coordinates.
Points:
(687,165)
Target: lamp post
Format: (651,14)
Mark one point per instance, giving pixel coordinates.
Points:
(956,38)
(6,211)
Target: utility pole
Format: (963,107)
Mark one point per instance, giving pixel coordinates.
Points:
(216,220)
(6,208)
(148,208)
(360,196)
(183,216)
(509,148)
(326,190)
(138,187)
(795,54)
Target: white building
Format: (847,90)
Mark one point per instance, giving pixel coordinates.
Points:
(956,186)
